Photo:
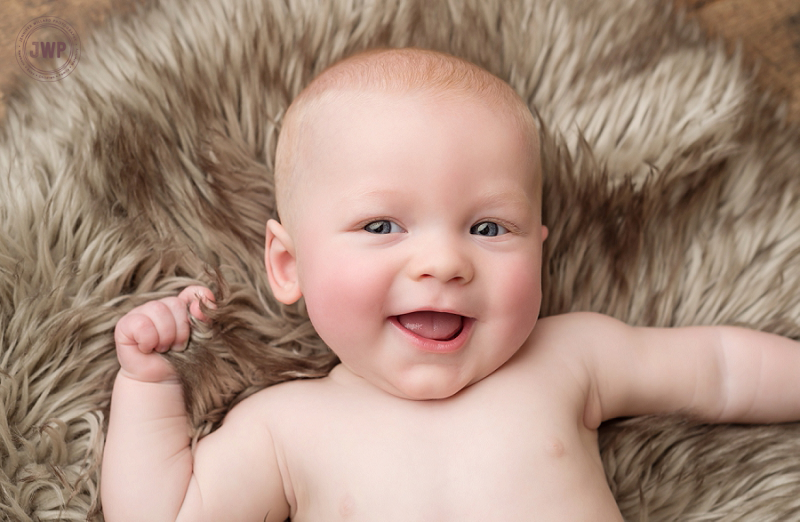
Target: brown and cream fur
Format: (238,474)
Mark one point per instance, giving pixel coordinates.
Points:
(671,194)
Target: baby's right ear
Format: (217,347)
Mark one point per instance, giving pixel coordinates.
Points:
(279,257)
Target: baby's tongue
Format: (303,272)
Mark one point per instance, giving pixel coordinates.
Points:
(433,325)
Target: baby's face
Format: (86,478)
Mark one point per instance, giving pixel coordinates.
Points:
(418,240)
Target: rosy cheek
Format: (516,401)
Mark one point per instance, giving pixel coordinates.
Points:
(343,292)
(522,291)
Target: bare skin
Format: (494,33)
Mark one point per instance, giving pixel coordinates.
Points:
(474,456)
(418,252)
(520,442)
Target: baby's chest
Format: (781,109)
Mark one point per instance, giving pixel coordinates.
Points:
(500,462)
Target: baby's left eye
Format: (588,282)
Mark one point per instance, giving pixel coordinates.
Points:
(383,226)
(488,228)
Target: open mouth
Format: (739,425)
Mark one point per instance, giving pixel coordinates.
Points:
(436,326)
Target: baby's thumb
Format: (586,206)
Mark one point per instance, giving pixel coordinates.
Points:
(191,296)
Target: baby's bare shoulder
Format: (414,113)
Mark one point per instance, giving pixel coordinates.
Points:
(570,344)
(276,407)
(575,333)
(287,394)
(580,323)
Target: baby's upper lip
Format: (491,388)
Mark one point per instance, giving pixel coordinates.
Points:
(438,310)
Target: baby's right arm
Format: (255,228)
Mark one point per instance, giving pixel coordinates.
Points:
(149,472)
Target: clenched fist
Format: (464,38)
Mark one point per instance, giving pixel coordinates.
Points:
(154,328)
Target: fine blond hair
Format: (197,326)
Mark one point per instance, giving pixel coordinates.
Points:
(401,71)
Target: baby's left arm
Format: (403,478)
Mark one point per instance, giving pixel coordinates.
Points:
(715,373)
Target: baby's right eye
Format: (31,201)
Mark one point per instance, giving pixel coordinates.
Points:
(383,226)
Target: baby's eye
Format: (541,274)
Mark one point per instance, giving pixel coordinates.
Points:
(383,226)
(488,228)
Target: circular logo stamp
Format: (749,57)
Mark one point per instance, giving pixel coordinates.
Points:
(47,49)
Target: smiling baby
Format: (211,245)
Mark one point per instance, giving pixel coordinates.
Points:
(409,191)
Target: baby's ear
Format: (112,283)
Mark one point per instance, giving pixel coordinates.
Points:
(279,257)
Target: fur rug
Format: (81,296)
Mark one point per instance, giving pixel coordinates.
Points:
(671,193)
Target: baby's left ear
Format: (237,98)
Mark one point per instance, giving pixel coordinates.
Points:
(545,233)
(281,263)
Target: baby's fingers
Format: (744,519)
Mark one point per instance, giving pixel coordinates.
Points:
(191,297)
(168,325)
(180,321)
(136,331)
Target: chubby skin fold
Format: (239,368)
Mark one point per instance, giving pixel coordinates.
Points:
(417,248)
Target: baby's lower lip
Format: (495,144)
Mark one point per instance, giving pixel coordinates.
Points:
(433,345)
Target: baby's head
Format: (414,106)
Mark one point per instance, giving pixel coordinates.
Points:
(409,191)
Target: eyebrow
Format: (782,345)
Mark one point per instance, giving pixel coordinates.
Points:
(490,198)
(376,193)
(512,198)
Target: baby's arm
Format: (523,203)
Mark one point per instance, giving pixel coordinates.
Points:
(716,373)
(149,472)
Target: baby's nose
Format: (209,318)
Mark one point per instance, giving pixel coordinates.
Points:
(441,260)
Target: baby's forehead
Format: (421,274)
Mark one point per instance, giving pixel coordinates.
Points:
(358,127)
(338,108)
(335,114)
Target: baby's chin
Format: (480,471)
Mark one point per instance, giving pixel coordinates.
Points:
(430,394)
(424,387)
(418,382)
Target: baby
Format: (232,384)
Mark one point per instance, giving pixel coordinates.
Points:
(409,191)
